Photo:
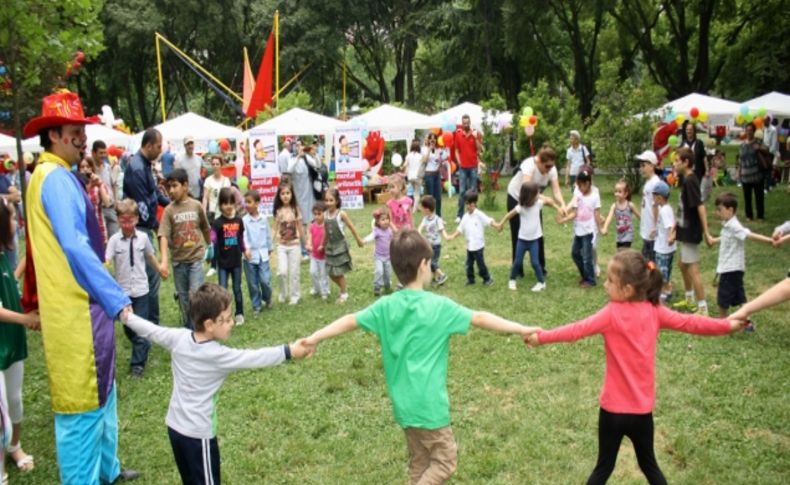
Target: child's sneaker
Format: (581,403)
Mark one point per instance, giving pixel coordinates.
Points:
(469,282)
(702,311)
(270,304)
(597,271)
(239,319)
(313,292)
(441,280)
(211,272)
(539,287)
(324,297)
(488,282)
(376,292)
(342,298)
(511,285)
(294,300)
(585,285)
(684,306)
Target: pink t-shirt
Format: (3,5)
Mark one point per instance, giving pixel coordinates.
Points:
(317,241)
(400,213)
(630,330)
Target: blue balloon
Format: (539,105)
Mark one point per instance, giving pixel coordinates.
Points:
(213,147)
(670,117)
(2,70)
(744,109)
(364,132)
(364,181)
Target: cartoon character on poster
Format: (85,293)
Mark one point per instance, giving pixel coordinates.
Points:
(263,162)
(348,166)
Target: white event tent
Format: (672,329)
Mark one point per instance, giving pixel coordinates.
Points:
(720,111)
(108,135)
(201,129)
(8,145)
(476,115)
(300,122)
(775,103)
(394,123)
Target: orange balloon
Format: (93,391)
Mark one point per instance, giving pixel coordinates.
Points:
(758,122)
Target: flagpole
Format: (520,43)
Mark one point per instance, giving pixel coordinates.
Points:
(345,116)
(161,81)
(277,58)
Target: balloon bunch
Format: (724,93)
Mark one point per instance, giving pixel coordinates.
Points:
(76,64)
(243,183)
(745,116)
(219,146)
(5,80)
(447,124)
(528,121)
(695,115)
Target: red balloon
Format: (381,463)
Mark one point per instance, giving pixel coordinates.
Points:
(114,151)
(224,145)
(80,57)
(694,112)
(533,120)
(448,139)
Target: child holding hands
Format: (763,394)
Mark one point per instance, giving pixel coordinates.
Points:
(399,204)
(432,227)
(257,248)
(381,237)
(623,212)
(585,212)
(338,256)
(630,324)
(289,233)
(473,226)
(414,329)
(200,365)
(315,245)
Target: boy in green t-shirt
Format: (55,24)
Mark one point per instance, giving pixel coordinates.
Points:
(414,329)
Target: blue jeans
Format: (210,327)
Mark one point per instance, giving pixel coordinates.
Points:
(140,346)
(473,257)
(153,282)
(582,253)
(467,180)
(187,277)
(433,187)
(522,247)
(259,283)
(235,274)
(436,253)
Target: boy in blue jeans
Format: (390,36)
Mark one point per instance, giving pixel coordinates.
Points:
(414,329)
(258,246)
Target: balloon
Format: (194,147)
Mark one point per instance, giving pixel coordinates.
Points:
(114,151)
(533,120)
(364,181)
(758,122)
(523,121)
(364,133)
(10,164)
(527,112)
(762,112)
(448,140)
(436,131)
(703,117)
(213,147)
(670,117)
(671,179)
(694,113)
(224,145)
(440,141)
(529,130)
(397,160)
(739,119)
(748,117)
(673,141)
(680,118)
(744,109)
(2,70)
(448,187)
(243,183)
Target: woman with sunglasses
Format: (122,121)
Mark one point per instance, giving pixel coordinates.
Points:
(433,178)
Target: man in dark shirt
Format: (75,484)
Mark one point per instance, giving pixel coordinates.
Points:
(139,184)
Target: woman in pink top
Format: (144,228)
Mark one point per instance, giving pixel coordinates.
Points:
(630,323)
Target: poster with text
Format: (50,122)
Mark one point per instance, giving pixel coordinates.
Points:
(349,166)
(264,172)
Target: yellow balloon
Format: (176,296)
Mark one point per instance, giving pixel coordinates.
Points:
(680,118)
(703,117)
(440,141)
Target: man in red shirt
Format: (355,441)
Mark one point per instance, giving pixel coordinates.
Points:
(468,146)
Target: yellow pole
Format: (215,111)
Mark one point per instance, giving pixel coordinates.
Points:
(344,84)
(276,58)
(161,80)
(199,67)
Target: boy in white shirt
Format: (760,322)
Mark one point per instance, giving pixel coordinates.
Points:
(649,212)
(732,254)
(473,226)
(200,365)
(665,239)
(585,212)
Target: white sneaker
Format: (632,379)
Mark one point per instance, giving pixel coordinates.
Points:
(211,272)
(293,301)
(511,285)
(539,287)
(457,220)
(313,292)
(239,319)
(597,271)
(342,298)
(281,298)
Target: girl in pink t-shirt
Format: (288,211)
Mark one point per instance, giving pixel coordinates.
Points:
(399,204)
(630,323)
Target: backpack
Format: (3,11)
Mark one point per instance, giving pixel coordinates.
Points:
(318,178)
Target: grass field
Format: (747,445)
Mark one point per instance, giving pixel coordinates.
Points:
(519,415)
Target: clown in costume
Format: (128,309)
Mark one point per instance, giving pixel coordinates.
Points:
(77,299)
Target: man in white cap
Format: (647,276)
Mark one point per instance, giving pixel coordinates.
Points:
(192,164)
(647,223)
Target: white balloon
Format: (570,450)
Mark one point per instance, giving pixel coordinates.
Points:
(397,160)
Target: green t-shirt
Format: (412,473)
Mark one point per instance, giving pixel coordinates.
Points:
(13,345)
(414,329)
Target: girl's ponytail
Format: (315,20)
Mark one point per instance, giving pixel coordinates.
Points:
(644,276)
(654,283)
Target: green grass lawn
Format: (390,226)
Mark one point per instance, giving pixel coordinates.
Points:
(519,415)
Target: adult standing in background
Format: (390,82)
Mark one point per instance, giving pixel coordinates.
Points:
(303,187)
(577,155)
(468,146)
(751,174)
(139,185)
(433,176)
(693,143)
(771,142)
(540,169)
(192,164)
(77,299)
(102,167)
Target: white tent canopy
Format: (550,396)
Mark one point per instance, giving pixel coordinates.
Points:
(394,123)
(300,122)
(720,111)
(108,135)
(775,103)
(190,124)
(8,145)
(476,115)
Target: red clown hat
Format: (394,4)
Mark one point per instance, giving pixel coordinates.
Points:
(63,108)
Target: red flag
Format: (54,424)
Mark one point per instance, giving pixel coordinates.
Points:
(262,96)
(249,82)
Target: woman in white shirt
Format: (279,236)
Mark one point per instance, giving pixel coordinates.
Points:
(414,168)
(541,170)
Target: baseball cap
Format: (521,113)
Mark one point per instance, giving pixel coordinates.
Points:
(189,139)
(661,189)
(648,156)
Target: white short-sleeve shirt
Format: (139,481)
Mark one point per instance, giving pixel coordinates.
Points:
(529,229)
(666,220)
(528,170)
(646,223)
(473,228)
(732,252)
(585,206)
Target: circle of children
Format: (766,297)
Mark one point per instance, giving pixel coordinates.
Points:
(637,284)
